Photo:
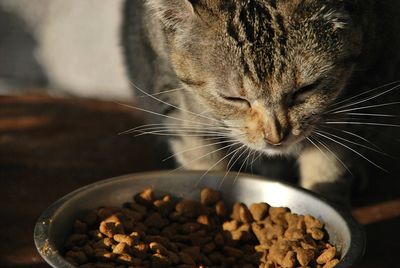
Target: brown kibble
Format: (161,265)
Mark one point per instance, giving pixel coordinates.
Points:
(110,228)
(190,227)
(217,258)
(277,215)
(171,232)
(139,228)
(236,211)
(145,198)
(295,221)
(186,258)
(294,234)
(278,251)
(327,256)
(174,258)
(331,263)
(209,196)
(155,220)
(103,213)
(259,211)
(95,235)
(103,255)
(158,248)
(245,215)
(129,240)
(164,206)
(316,233)
(104,243)
(88,250)
(260,232)
(190,209)
(121,248)
(233,252)
(312,222)
(230,225)
(103,265)
(138,208)
(113,218)
(126,259)
(304,256)
(221,210)
(206,220)
(140,250)
(160,261)
(200,241)
(193,252)
(289,261)
(209,247)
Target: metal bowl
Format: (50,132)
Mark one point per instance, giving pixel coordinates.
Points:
(56,222)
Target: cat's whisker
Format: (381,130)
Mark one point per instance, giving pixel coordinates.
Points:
(219,138)
(149,127)
(174,106)
(162,92)
(180,127)
(203,156)
(319,149)
(230,166)
(367,107)
(366,99)
(354,135)
(214,165)
(252,161)
(330,150)
(180,131)
(199,147)
(364,93)
(259,156)
(163,115)
(241,167)
(200,135)
(352,142)
(183,129)
(373,115)
(360,123)
(353,150)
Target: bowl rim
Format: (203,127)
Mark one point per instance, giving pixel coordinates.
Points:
(49,252)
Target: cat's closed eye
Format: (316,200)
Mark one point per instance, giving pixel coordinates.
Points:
(237,100)
(303,92)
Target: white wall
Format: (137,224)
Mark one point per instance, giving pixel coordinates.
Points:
(79,44)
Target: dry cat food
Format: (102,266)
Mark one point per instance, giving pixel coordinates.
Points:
(170,232)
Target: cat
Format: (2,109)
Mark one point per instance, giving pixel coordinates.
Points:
(236,81)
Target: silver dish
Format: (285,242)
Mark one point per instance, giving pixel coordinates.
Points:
(55,223)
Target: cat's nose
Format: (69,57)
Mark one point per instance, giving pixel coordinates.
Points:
(273,133)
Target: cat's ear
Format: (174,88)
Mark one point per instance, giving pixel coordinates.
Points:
(173,14)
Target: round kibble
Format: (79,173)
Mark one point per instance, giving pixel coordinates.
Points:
(170,232)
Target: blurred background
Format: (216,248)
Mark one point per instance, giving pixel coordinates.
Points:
(69,46)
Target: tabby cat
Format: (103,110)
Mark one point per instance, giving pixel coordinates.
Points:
(232,81)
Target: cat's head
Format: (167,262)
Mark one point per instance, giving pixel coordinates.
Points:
(267,68)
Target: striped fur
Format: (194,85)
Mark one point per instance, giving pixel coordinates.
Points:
(266,70)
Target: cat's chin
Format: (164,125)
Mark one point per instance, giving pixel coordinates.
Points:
(288,150)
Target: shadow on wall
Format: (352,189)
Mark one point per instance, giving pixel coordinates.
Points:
(18,66)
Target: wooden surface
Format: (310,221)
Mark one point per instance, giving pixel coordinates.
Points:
(51,146)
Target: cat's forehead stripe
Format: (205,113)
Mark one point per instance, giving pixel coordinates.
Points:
(259,31)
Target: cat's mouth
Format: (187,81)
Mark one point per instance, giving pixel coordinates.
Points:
(289,147)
